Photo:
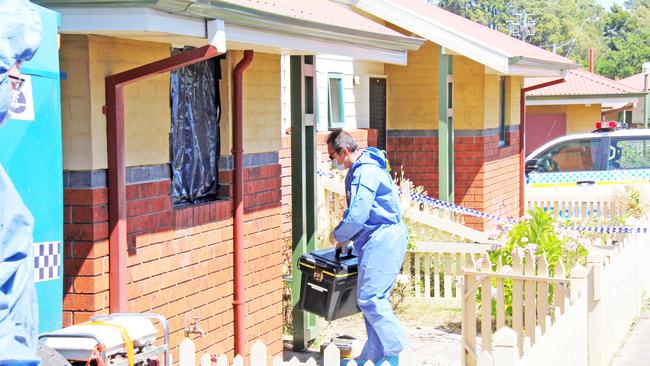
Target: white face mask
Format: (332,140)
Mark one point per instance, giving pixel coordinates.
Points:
(337,165)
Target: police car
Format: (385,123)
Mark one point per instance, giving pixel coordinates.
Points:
(596,163)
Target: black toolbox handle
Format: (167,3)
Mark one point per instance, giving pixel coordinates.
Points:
(338,252)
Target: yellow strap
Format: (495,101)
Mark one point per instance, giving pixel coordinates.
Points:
(128,343)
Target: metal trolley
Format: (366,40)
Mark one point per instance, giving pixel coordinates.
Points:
(101,340)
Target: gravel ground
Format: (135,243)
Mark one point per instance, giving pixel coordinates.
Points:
(433,328)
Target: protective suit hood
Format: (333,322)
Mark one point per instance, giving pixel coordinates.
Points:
(371,155)
(20,36)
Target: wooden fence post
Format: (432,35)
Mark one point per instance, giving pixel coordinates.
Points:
(505,351)
(468,321)
(186,353)
(579,300)
(595,317)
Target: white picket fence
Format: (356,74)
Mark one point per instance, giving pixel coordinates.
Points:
(531,285)
(435,270)
(592,310)
(619,277)
(574,202)
(259,357)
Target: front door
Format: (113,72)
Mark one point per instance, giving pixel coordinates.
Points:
(378,110)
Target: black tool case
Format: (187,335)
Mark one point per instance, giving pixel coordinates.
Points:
(329,283)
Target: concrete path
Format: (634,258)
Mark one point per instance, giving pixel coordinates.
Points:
(636,349)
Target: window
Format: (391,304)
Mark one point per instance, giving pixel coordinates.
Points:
(629,153)
(627,117)
(576,155)
(336,113)
(502,110)
(195,140)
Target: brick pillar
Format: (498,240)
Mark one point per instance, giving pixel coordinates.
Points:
(415,154)
(487,175)
(85,290)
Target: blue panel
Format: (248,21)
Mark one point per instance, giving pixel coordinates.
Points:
(31,155)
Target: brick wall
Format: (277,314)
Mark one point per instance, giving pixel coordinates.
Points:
(180,259)
(486,175)
(415,154)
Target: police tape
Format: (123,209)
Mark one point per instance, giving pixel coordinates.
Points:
(436,203)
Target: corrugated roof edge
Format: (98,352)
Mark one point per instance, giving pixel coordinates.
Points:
(461,41)
(250,17)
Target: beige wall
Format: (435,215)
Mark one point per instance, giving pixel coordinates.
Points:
(262,105)
(582,118)
(412,91)
(579,117)
(89,59)
(75,104)
(469,93)
(513,94)
(476,104)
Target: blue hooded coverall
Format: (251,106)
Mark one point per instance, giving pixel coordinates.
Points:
(20,28)
(373,222)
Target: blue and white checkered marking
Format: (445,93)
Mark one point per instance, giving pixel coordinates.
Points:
(47,261)
(596,176)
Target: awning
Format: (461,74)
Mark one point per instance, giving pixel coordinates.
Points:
(264,27)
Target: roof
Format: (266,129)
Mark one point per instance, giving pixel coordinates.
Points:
(580,82)
(318,11)
(454,33)
(276,26)
(634,81)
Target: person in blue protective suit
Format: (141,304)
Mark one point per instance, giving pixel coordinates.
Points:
(372,221)
(20,31)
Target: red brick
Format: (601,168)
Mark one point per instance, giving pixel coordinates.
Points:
(90,250)
(75,196)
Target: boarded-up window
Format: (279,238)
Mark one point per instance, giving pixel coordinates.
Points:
(195,140)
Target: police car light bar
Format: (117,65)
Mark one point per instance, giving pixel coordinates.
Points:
(606,124)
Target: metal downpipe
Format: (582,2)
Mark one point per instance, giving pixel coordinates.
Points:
(239,299)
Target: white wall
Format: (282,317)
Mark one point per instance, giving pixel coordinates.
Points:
(356,100)
(356,97)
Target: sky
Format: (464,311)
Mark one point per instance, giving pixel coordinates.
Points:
(607,3)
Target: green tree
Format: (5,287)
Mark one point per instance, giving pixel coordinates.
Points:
(564,26)
(628,43)
(496,14)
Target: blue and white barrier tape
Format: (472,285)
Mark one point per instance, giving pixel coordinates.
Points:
(433,202)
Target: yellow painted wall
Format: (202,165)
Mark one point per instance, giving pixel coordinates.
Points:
(147,111)
(579,117)
(513,94)
(88,59)
(492,101)
(262,106)
(412,91)
(75,104)
(469,94)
